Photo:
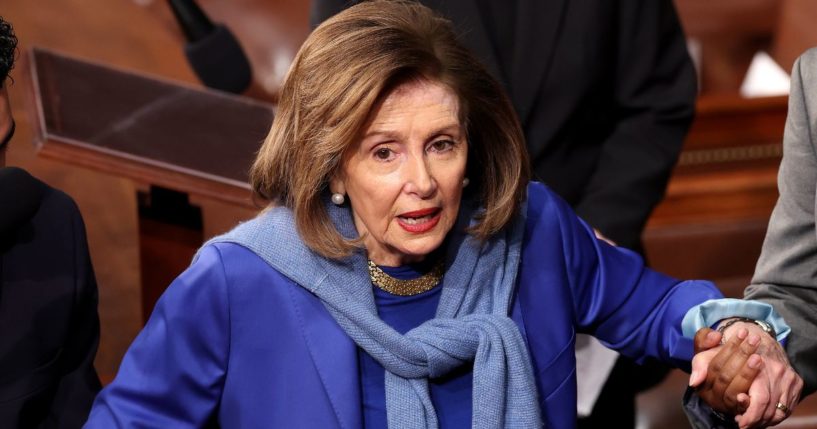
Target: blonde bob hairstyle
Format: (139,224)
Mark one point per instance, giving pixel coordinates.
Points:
(343,69)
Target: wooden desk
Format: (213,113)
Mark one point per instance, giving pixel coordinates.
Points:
(188,149)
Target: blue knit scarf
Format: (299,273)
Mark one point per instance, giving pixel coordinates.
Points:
(471,324)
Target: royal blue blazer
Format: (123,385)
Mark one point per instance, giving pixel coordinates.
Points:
(235,343)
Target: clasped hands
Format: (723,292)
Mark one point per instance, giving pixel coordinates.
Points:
(747,375)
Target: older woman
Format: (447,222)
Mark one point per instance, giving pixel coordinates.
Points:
(406,273)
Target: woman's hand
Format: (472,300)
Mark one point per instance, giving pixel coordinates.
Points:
(749,376)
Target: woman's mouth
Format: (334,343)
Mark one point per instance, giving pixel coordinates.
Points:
(419,221)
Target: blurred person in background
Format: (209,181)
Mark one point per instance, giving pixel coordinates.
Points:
(49,327)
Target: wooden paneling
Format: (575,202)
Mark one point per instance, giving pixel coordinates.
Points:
(796,31)
(713,218)
(729,33)
(707,18)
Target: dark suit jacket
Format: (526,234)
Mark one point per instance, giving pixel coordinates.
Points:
(49,328)
(604,89)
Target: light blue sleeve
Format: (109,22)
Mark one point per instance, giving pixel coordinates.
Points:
(707,314)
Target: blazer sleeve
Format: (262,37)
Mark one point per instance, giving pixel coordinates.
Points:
(173,373)
(78,383)
(627,306)
(655,89)
(786,273)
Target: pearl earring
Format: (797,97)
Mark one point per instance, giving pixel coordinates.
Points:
(465,182)
(338,199)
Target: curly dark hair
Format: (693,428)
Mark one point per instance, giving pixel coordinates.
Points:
(8,49)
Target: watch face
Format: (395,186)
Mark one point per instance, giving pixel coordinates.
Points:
(765,326)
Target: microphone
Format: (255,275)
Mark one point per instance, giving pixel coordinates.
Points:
(212,51)
(20,196)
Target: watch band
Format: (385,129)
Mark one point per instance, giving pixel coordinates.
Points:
(766,327)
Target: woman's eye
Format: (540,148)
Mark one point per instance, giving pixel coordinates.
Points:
(442,145)
(383,154)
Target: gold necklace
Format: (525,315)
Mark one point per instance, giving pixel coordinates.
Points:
(410,287)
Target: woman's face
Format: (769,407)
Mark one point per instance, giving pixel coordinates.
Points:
(404,177)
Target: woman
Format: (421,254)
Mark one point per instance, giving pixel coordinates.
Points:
(406,272)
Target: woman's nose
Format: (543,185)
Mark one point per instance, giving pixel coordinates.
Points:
(419,178)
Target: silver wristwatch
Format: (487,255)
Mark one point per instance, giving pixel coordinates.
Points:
(764,325)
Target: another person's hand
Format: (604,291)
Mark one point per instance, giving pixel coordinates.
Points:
(752,362)
(722,375)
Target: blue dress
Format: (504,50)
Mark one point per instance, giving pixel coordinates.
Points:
(451,394)
(235,342)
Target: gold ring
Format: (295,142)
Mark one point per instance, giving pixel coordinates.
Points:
(782,407)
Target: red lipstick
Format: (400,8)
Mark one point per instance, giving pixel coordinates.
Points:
(411,222)
(419,213)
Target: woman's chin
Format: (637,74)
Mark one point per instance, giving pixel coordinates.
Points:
(414,251)
(419,252)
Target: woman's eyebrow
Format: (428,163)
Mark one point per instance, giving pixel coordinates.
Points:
(449,128)
(382,133)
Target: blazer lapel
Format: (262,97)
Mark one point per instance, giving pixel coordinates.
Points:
(538,25)
(335,358)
